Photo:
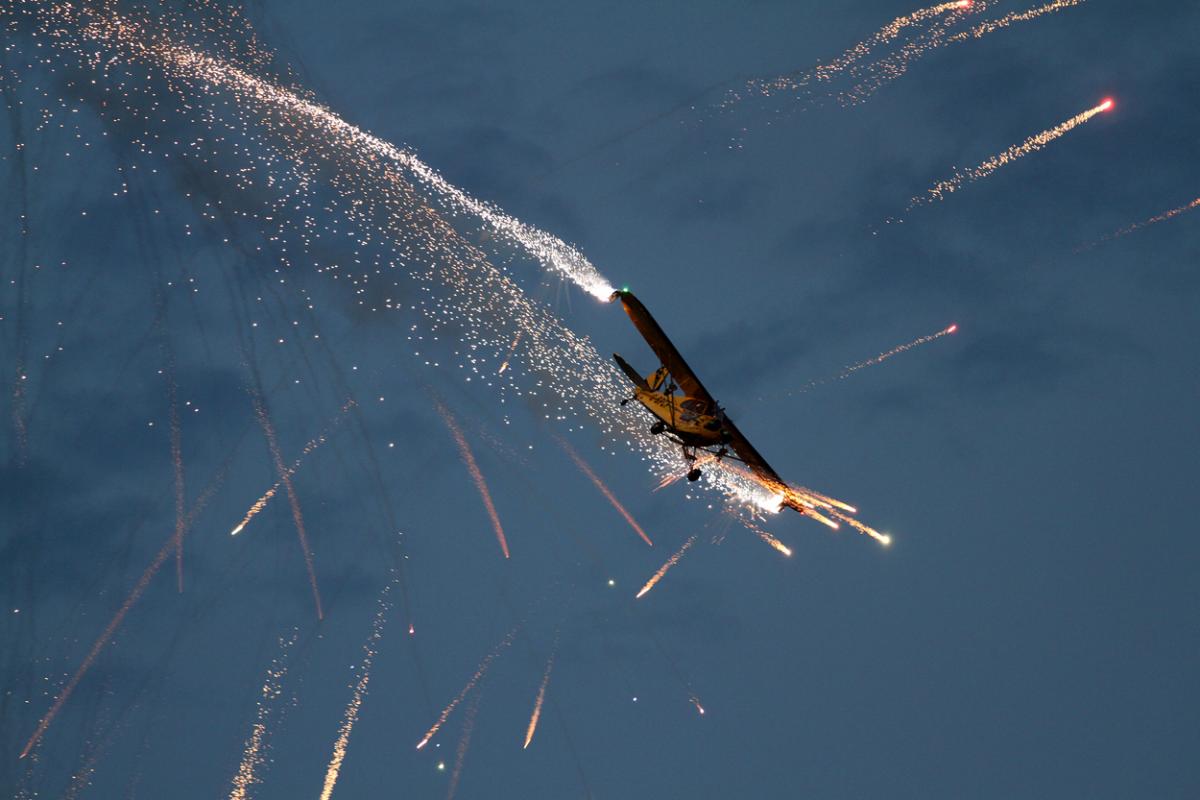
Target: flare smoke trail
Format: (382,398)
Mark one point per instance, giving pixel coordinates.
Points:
(604,490)
(254,753)
(1137,226)
(874,360)
(177,465)
(360,692)
(261,502)
(541,696)
(134,595)
(1031,145)
(264,421)
(672,561)
(464,742)
(468,459)
(471,684)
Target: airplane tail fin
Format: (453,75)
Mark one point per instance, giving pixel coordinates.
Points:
(633,374)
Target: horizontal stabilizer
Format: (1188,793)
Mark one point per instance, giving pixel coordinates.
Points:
(633,374)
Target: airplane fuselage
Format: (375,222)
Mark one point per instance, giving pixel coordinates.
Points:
(686,417)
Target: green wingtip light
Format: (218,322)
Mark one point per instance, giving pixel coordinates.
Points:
(625,289)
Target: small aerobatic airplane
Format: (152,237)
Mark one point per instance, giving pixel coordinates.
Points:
(694,420)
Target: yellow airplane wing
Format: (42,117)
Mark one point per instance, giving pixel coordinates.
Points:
(681,373)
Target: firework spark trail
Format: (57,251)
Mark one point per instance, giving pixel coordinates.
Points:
(1137,226)
(360,691)
(873,76)
(826,72)
(1030,145)
(874,360)
(670,562)
(264,421)
(464,742)
(313,444)
(541,695)
(134,595)
(551,252)
(511,349)
(587,470)
(984,28)
(254,752)
(765,535)
(471,684)
(468,459)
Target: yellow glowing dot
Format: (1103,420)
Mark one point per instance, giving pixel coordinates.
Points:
(611,582)
(441,766)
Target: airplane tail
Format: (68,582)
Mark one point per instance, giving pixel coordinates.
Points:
(633,374)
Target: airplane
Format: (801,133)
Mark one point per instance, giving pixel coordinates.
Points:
(693,420)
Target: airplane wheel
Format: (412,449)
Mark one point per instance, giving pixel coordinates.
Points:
(658,428)
(693,475)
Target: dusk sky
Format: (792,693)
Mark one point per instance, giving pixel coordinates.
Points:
(214,294)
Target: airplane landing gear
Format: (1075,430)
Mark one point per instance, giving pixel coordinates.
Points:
(658,427)
(693,475)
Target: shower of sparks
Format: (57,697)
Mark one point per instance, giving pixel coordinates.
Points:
(670,562)
(468,459)
(1137,226)
(541,696)
(984,28)
(136,39)
(471,684)
(254,753)
(464,742)
(675,477)
(1030,145)
(135,594)
(262,502)
(291,152)
(794,81)
(604,490)
(264,421)
(878,359)
(356,699)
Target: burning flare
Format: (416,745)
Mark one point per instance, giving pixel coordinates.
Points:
(672,561)
(471,684)
(604,490)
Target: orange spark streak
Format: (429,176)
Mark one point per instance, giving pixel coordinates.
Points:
(261,502)
(479,673)
(604,490)
(511,349)
(468,459)
(253,754)
(1163,217)
(766,536)
(541,697)
(672,561)
(260,411)
(134,595)
(1031,145)
(342,742)
(882,538)
(878,359)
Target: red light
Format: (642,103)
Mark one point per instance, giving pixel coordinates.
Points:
(952,328)
(1107,104)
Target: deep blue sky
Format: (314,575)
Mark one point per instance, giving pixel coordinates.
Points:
(1031,632)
